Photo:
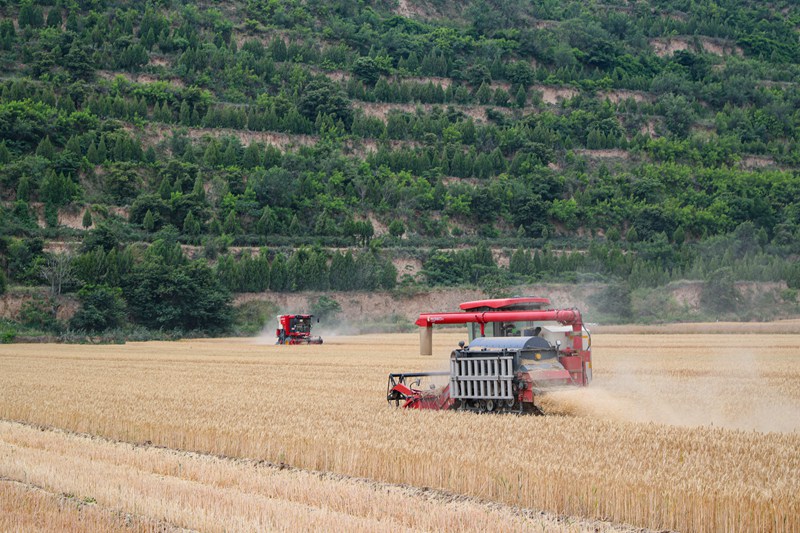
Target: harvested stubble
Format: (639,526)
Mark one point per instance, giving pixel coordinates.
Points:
(322,408)
(27,508)
(209,493)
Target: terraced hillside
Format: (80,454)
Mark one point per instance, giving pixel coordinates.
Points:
(307,145)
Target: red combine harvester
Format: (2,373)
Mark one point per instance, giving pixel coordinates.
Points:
(531,351)
(295,329)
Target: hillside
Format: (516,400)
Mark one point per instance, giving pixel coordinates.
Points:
(157,159)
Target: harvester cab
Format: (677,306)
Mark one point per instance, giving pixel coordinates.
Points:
(296,329)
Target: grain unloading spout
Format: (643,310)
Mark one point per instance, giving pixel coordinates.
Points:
(426,340)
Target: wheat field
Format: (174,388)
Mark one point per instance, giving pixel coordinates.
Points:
(691,432)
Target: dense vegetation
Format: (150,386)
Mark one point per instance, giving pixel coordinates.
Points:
(632,143)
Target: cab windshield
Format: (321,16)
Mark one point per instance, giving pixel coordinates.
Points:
(301,325)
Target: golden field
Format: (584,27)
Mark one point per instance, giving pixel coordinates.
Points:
(697,432)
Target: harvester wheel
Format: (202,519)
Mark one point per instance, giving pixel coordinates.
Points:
(489,405)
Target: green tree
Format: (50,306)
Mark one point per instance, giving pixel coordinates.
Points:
(369,69)
(102,308)
(678,114)
(190,225)
(326,308)
(614,300)
(24,188)
(279,275)
(5,154)
(149,222)
(719,293)
(30,15)
(45,149)
(54,18)
(102,151)
(396,228)
(187,297)
(87,219)
(212,157)
(231,225)
(58,189)
(322,97)
(252,156)
(521,97)
(165,189)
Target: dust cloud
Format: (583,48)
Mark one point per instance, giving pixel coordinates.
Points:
(737,391)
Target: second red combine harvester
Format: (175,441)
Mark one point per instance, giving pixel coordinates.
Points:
(295,329)
(529,351)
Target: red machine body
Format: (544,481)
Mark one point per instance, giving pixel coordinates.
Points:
(537,350)
(295,329)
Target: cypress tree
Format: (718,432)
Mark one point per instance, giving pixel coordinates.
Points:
(261,274)
(341,272)
(57,189)
(24,188)
(165,189)
(484,93)
(252,156)
(87,219)
(51,215)
(185,114)
(73,146)
(102,151)
(214,227)
(230,158)
(66,104)
(279,277)
(92,155)
(231,225)
(294,227)
(679,236)
(266,223)
(198,190)
(5,153)
(72,22)
(190,225)
(45,149)
(212,156)
(120,151)
(148,223)
(188,154)
(30,15)
(54,18)
(522,97)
